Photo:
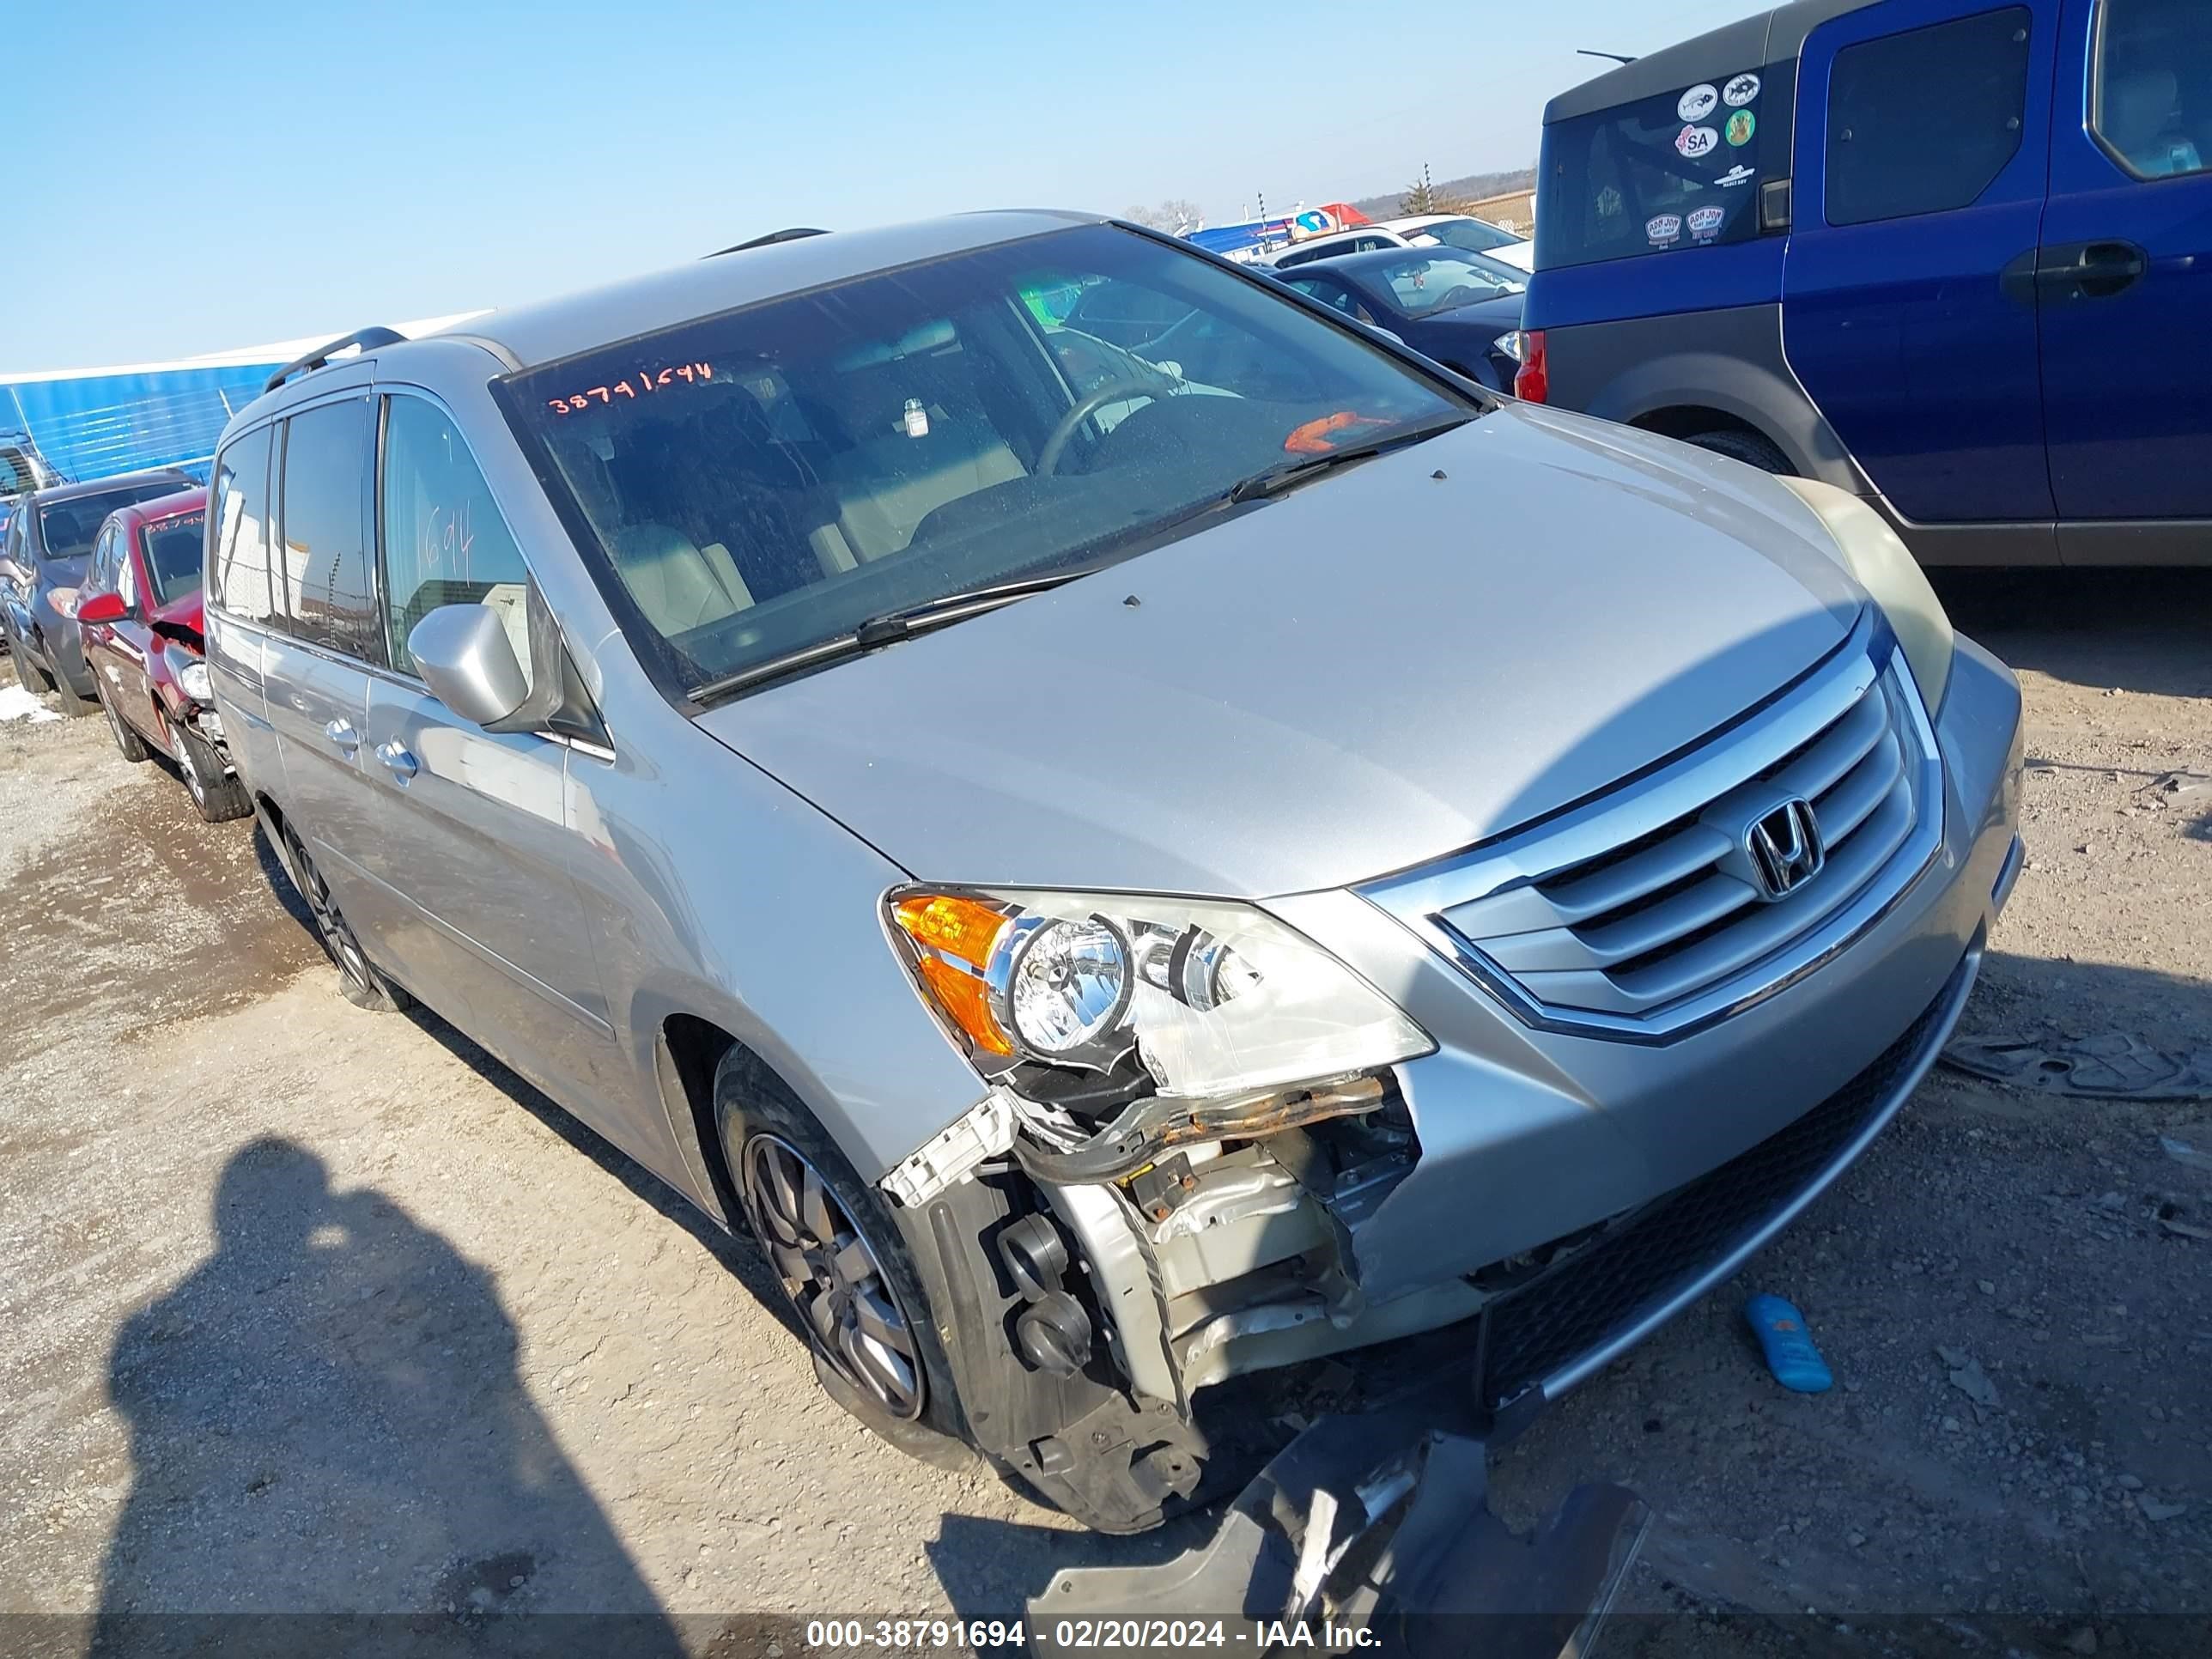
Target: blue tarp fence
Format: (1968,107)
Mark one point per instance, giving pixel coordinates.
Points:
(92,426)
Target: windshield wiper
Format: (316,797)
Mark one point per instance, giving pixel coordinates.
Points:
(1288,475)
(889,628)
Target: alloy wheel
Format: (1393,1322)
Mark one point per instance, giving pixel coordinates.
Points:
(345,950)
(832,1275)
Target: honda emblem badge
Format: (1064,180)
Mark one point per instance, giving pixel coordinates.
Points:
(1785,845)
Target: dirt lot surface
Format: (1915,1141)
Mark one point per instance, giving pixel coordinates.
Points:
(314,1309)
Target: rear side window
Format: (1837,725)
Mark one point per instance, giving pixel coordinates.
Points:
(238,557)
(1677,171)
(327,592)
(1923,121)
(445,542)
(2153,92)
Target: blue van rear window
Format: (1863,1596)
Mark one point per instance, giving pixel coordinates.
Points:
(1681,170)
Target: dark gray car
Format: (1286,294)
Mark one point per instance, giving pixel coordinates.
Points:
(1115,883)
(42,563)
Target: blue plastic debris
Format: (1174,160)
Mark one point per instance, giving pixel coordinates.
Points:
(1790,1355)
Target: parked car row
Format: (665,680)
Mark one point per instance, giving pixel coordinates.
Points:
(1459,231)
(1125,824)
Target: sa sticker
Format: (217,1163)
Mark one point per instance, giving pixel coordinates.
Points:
(1705,222)
(1739,92)
(1663,228)
(1741,127)
(1735,175)
(1698,102)
(1693,142)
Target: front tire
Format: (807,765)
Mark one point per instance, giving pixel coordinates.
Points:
(844,1265)
(219,796)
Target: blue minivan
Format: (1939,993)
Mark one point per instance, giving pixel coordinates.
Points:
(1952,256)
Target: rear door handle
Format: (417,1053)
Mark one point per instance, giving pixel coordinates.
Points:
(395,756)
(343,736)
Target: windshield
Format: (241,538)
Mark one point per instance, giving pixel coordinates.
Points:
(1467,236)
(767,480)
(173,557)
(1429,284)
(66,528)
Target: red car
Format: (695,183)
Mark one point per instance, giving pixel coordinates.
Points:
(144,641)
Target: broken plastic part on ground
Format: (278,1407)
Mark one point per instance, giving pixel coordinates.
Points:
(1379,1521)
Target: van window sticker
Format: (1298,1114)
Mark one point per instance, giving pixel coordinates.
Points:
(1695,142)
(1740,90)
(1735,175)
(1705,222)
(1741,127)
(1698,102)
(1662,228)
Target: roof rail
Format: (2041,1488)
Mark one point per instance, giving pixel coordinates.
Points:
(792,235)
(367,338)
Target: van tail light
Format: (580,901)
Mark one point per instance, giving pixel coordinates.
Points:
(1532,381)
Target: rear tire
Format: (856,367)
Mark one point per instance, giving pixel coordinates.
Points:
(73,706)
(132,745)
(1749,447)
(358,978)
(219,796)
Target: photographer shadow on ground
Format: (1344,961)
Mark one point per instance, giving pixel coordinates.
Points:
(332,1449)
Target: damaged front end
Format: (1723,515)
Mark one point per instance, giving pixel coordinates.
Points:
(1192,1108)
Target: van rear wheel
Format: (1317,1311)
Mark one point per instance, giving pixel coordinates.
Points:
(1749,447)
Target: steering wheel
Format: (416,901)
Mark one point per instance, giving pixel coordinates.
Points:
(1453,297)
(1114,391)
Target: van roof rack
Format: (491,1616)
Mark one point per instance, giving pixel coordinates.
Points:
(790,234)
(367,338)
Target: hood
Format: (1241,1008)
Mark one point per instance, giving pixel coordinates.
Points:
(1492,317)
(1374,670)
(185,613)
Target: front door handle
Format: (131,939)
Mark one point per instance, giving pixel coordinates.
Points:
(2091,270)
(395,756)
(343,736)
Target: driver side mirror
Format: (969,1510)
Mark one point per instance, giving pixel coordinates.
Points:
(103,608)
(10,571)
(462,652)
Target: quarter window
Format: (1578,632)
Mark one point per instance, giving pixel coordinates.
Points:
(326,569)
(1925,121)
(445,542)
(2153,97)
(239,564)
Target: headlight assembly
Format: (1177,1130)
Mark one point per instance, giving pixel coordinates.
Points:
(1206,999)
(64,600)
(1885,567)
(193,676)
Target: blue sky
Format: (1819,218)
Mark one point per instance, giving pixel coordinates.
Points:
(214,175)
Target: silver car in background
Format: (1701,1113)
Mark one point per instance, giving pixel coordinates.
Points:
(1115,890)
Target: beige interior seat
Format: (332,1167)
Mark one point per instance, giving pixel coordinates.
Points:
(678,584)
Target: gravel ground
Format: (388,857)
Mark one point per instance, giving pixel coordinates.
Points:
(314,1310)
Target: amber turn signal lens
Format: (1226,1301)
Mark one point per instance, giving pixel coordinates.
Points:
(968,1001)
(965,929)
(961,928)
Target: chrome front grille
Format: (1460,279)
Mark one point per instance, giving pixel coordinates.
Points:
(1642,913)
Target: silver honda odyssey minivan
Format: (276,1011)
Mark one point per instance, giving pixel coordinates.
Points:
(1126,844)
